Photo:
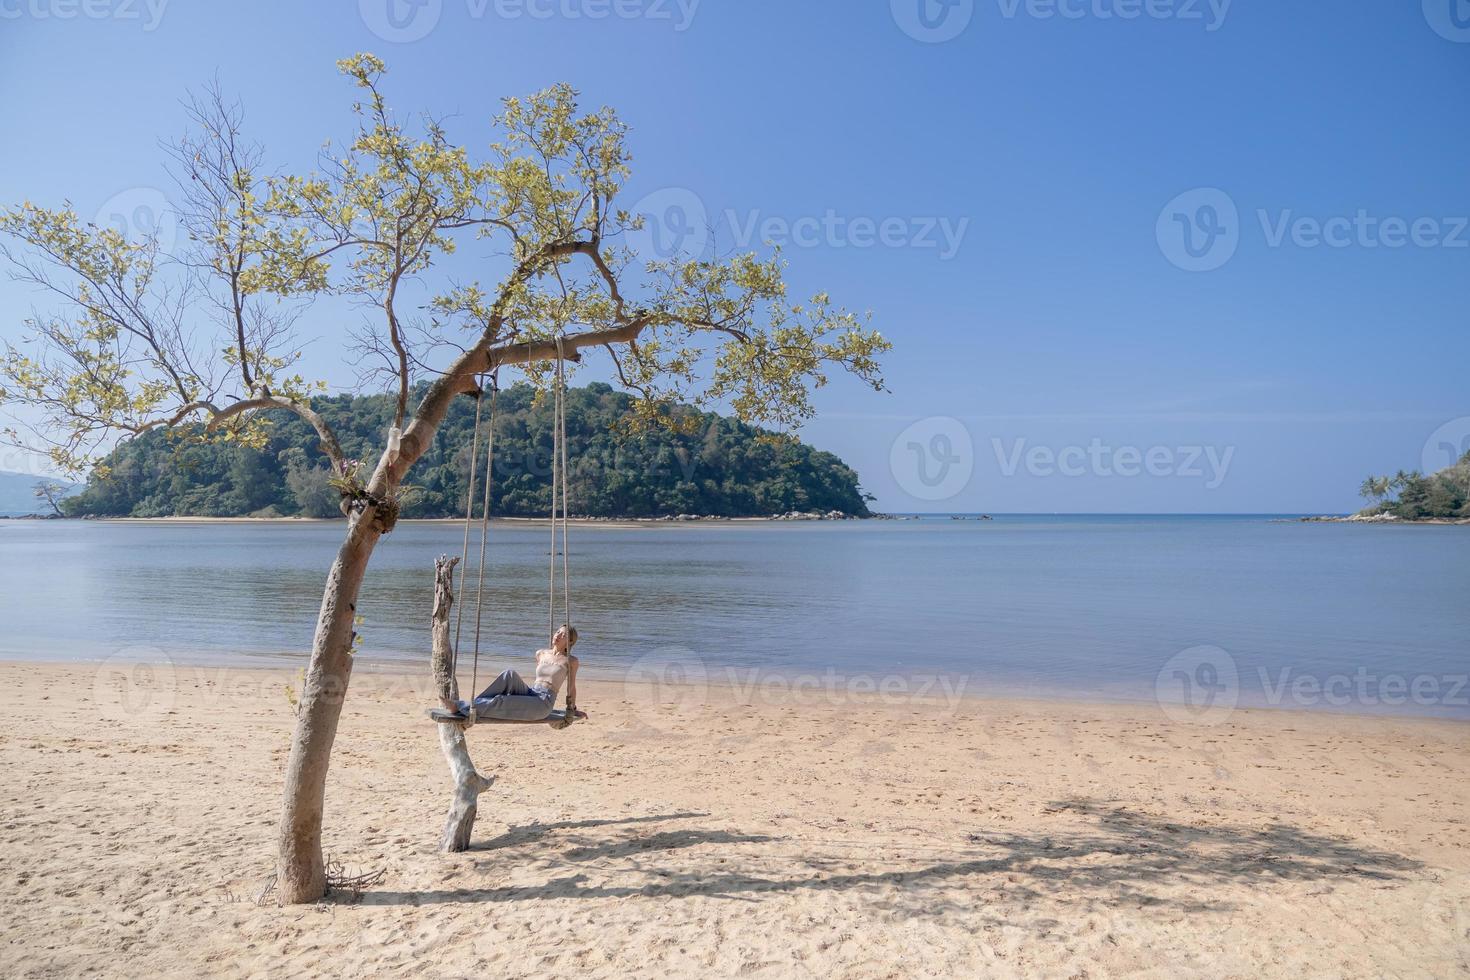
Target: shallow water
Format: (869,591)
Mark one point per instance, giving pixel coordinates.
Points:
(1305,615)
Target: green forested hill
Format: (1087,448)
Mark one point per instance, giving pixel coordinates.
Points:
(722,467)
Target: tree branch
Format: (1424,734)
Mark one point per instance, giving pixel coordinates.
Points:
(324,432)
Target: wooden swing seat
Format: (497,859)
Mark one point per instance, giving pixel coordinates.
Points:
(444,717)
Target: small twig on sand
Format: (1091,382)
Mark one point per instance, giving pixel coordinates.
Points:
(266,890)
(338,880)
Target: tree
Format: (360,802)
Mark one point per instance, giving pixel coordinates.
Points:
(1375,488)
(310,485)
(51,492)
(379,223)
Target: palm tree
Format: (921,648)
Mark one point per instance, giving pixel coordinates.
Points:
(1376,488)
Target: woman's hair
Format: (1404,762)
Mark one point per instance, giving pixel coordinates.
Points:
(571,634)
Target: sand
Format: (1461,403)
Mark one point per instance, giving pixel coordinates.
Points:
(690,835)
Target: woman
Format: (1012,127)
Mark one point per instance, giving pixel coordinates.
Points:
(509,698)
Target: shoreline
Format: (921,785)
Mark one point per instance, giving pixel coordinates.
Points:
(623,522)
(762,686)
(1388,519)
(669,837)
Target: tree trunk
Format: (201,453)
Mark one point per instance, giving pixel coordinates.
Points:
(300,868)
(469,783)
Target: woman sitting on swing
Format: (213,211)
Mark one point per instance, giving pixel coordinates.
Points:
(510,698)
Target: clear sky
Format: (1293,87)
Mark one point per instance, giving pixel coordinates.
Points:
(1135,255)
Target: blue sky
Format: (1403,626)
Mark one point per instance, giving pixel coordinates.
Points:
(1136,255)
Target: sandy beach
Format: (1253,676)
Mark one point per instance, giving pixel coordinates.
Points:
(697,836)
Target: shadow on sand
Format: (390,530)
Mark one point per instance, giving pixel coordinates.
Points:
(1115,860)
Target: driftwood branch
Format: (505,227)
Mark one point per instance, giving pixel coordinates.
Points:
(469,782)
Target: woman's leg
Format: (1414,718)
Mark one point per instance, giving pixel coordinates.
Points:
(509,682)
(514,707)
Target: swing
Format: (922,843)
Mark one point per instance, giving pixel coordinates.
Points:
(557,717)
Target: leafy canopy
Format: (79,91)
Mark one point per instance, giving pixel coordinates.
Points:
(209,335)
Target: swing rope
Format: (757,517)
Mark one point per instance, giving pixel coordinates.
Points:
(484,529)
(559,486)
(469,515)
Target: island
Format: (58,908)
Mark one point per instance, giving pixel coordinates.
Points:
(1414,498)
(694,463)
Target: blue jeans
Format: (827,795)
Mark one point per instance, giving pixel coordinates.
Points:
(509,698)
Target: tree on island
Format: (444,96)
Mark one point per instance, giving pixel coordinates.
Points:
(149,341)
(1415,497)
(52,493)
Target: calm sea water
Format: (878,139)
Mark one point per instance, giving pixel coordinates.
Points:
(1092,607)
